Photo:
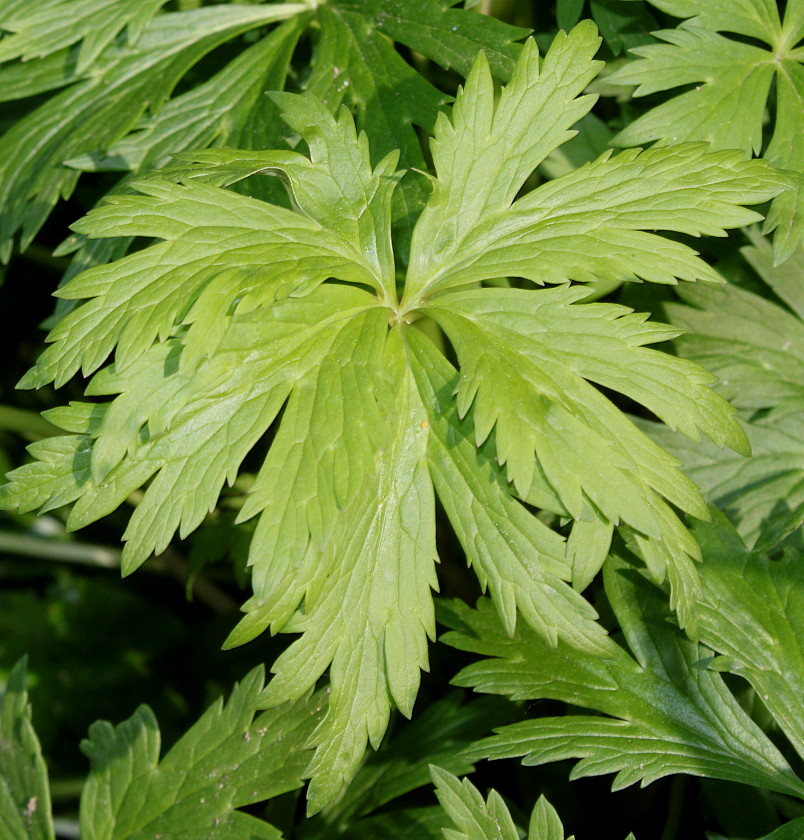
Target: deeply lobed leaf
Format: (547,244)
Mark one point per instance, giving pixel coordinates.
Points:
(732,81)
(249,318)
(228,759)
(665,713)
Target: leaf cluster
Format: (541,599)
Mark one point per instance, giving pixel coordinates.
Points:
(310,338)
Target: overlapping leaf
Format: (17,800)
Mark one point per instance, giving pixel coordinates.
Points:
(665,713)
(248,317)
(437,735)
(98,110)
(116,86)
(45,27)
(732,81)
(756,347)
(751,613)
(228,759)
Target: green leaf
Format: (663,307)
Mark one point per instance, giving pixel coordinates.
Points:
(450,37)
(751,491)
(784,280)
(665,713)
(477,819)
(24,790)
(436,736)
(587,225)
(729,77)
(335,187)
(750,612)
(477,176)
(225,761)
(48,26)
(517,558)
(756,347)
(790,831)
(278,253)
(355,62)
(372,619)
(526,376)
(623,24)
(218,112)
(94,113)
(250,328)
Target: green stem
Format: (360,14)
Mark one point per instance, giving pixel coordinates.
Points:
(676,806)
(169,563)
(26,423)
(69,552)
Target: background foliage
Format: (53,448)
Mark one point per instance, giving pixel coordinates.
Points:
(531,433)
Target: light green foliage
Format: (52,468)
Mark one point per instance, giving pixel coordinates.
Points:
(105,104)
(230,325)
(664,711)
(227,760)
(116,113)
(24,789)
(477,819)
(756,347)
(43,28)
(732,81)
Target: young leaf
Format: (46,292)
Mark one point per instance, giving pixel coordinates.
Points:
(477,819)
(248,316)
(24,790)
(665,712)
(730,77)
(227,760)
(474,818)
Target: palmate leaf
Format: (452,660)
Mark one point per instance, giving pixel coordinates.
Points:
(730,78)
(24,790)
(248,317)
(664,711)
(228,759)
